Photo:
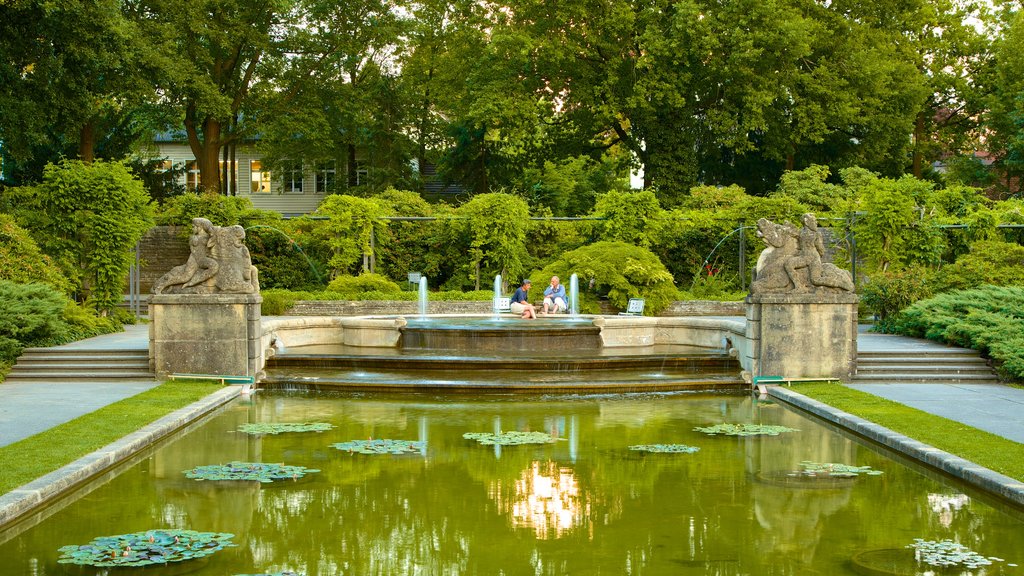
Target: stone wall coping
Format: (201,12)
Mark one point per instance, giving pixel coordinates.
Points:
(804,298)
(205,299)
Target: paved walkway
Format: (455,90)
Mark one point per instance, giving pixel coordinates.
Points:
(26,409)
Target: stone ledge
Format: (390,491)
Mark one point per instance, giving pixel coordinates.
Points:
(42,490)
(982,478)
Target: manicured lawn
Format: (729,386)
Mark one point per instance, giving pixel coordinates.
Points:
(991,451)
(47,451)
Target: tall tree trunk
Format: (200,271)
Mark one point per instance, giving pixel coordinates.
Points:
(353,177)
(87,142)
(206,149)
(919,137)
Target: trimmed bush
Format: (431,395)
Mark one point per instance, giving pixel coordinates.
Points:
(989,319)
(22,261)
(989,262)
(615,270)
(889,292)
(367,282)
(29,314)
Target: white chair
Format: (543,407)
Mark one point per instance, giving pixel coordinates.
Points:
(503,304)
(635,307)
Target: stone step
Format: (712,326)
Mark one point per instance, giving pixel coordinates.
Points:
(923,369)
(79,376)
(931,378)
(84,352)
(901,360)
(934,353)
(77,368)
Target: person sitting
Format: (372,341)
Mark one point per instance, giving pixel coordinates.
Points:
(519,304)
(554,297)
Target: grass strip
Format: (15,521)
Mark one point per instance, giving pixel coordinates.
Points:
(984,448)
(32,457)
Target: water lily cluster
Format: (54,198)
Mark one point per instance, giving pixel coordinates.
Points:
(947,553)
(509,438)
(145,548)
(835,470)
(744,429)
(665,448)
(256,471)
(381,446)
(282,427)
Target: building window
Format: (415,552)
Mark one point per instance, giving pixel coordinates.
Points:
(362,174)
(260,178)
(192,178)
(291,170)
(326,176)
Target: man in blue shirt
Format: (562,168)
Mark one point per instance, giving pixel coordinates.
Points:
(554,297)
(519,304)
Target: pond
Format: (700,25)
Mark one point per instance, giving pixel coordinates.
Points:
(583,504)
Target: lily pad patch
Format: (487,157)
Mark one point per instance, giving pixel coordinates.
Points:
(947,554)
(283,427)
(255,471)
(835,470)
(509,438)
(665,448)
(145,548)
(744,430)
(381,446)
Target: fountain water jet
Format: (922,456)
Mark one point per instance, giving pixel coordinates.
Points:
(423,298)
(574,298)
(497,295)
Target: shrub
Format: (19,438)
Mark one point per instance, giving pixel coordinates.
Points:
(889,292)
(23,262)
(90,218)
(29,314)
(989,319)
(282,263)
(219,209)
(616,270)
(492,231)
(351,224)
(988,262)
(633,217)
(363,283)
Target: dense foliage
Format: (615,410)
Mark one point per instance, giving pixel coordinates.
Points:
(989,318)
(616,271)
(22,261)
(367,282)
(89,217)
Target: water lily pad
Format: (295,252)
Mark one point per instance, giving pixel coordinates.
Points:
(744,429)
(282,427)
(835,470)
(256,471)
(665,448)
(381,446)
(510,438)
(145,548)
(947,554)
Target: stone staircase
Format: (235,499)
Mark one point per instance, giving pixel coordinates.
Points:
(70,364)
(946,366)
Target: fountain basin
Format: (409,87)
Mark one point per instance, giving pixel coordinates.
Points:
(500,334)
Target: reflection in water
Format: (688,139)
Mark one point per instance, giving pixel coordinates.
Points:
(585,504)
(946,505)
(546,498)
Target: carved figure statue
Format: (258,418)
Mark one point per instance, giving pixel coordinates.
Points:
(218,263)
(794,260)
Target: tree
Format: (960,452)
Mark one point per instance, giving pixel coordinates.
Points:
(216,48)
(1005,118)
(89,218)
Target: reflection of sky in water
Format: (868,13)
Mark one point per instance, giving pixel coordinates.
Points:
(545,498)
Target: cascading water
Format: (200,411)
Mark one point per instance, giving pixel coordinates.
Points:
(574,296)
(497,294)
(423,298)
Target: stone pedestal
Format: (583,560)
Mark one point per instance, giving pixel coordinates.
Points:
(803,335)
(205,334)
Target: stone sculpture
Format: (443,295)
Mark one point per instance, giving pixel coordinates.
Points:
(794,261)
(219,263)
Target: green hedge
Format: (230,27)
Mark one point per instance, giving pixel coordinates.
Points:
(276,302)
(989,319)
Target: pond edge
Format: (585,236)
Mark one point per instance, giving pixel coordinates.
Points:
(1000,485)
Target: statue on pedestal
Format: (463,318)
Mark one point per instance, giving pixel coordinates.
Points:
(794,261)
(219,263)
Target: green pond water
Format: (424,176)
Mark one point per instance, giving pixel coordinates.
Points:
(583,505)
